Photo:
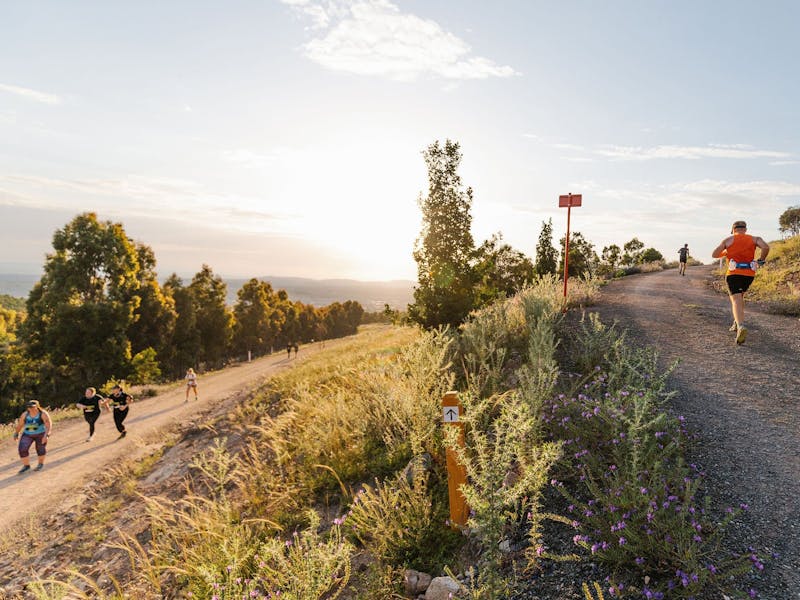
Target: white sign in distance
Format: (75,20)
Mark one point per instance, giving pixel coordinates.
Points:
(450,414)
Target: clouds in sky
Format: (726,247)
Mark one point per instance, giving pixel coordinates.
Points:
(183,200)
(687,152)
(30,94)
(644,153)
(373,37)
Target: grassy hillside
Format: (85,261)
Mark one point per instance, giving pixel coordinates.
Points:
(777,284)
(331,480)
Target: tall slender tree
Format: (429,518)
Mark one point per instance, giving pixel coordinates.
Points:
(214,320)
(546,255)
(185,346)
(444,294)
(154,318)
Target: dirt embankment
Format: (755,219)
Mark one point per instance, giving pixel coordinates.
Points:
(68,513)
(742,400)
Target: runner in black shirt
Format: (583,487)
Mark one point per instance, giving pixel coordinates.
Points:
(683,255)
(120,401)
(90,403)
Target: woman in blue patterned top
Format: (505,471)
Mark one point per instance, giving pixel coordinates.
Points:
(35,425)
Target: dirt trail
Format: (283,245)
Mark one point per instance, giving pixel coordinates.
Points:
(744,401)
(72,462)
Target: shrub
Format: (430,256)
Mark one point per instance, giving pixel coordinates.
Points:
(398,522)
(633,502)
(144,367)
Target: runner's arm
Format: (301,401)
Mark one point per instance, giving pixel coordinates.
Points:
(764,247)
(720,250)
(20,424)
(48,424)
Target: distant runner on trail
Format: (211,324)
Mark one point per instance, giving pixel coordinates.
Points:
(740,251)
(120,401)
(683,256)
(191,383)
(90,404)
(35,426)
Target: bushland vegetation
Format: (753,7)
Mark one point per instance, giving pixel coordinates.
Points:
(456,277)
(777,284)
(99,314)
(343,464)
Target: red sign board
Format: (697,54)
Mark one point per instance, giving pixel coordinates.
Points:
(569,200)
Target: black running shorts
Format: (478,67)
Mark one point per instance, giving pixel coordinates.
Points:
(738,284)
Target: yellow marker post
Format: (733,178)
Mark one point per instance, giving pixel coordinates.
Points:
(456,473)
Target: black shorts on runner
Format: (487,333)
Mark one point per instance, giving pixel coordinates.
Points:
(738,284)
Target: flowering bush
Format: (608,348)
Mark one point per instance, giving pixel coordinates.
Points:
(633,501)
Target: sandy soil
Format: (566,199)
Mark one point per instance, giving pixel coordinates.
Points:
(73,462)
(742,400)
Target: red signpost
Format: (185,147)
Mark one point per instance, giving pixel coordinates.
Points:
(568,201)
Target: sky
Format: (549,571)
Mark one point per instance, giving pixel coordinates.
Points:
(285,137)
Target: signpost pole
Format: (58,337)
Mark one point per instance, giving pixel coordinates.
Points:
(456,473)
(566,257)
(568,201)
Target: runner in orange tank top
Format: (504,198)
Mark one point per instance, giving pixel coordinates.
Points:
(740,251)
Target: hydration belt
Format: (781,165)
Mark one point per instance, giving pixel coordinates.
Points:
(732,264)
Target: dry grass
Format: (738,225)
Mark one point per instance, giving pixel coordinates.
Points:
(262,519)
(777,284)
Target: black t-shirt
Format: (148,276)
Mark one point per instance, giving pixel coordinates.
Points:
(684,254)
(120,401)
(91,404)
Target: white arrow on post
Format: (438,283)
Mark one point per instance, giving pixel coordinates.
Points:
(450,414)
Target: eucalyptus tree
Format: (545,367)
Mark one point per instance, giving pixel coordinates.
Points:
(253,329)
(500,271)
(80,311)
(214,319)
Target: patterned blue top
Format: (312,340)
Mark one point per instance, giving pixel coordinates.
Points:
(33,425)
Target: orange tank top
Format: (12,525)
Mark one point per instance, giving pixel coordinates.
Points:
(742,250)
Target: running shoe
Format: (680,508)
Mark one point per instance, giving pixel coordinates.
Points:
(123,434)
(733,327)
(89,439)
(39,467)
(23,469)
(741,334)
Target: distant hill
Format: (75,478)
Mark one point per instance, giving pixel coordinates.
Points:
(12,302)
(17,285)
(372,295)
